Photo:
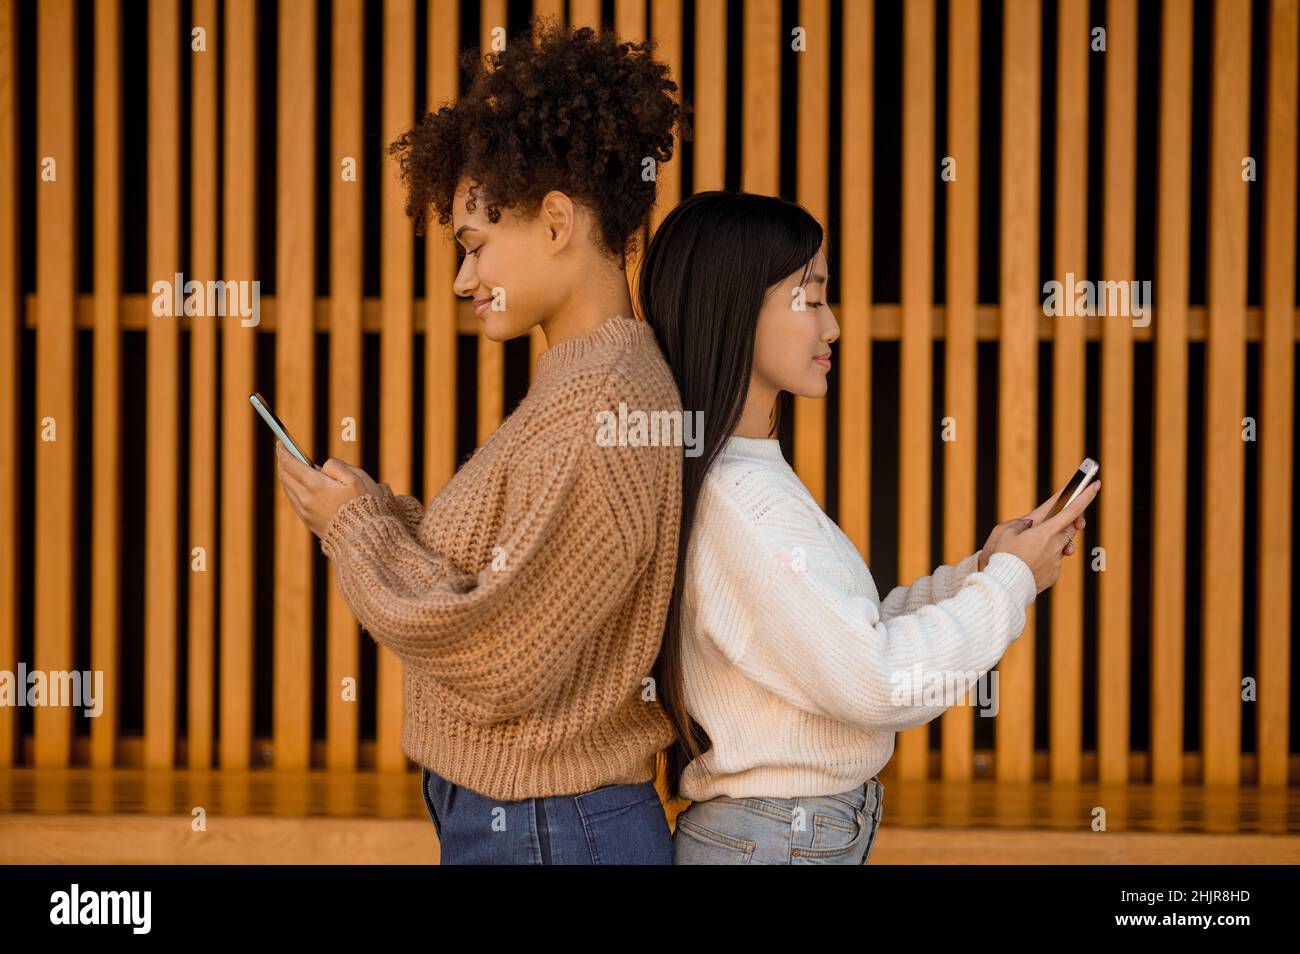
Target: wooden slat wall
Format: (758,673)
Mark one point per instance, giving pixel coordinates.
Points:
(396,278)
(1068,387)
(162,429)
(491,354)
(1225,396)
(1277,390)
(56,282)
(1169,505)
(295,365)
(347,219)
(710,146)
(916,348)
(960,354)
(1115,512)
(239,263)
(203,380)
(10,369)
(295,313)
(1018,356)
(858,36)
(812,191)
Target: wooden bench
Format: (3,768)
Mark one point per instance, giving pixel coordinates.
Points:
(265,816)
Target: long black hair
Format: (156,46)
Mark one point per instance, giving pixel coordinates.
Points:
(703,280)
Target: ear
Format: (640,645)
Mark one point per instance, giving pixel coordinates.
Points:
(558,215)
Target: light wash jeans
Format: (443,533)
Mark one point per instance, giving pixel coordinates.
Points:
(611,825)
(809,830)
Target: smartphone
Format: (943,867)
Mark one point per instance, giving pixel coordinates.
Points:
(277,428)
(1085,475)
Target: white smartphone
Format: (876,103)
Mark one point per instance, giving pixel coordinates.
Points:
(277,428)
(1085,475)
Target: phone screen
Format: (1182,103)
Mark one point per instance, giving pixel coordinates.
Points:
(1082,477)
(278,428)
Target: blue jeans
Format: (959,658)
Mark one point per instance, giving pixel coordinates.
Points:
(809,830)
(611,825)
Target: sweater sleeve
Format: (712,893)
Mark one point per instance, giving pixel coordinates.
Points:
(942,584)
(503,636)
(772,594)
(403,505)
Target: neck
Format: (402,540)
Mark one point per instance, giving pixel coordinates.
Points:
(603,293)
(756,418)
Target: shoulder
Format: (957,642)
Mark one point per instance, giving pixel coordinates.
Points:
(757,493)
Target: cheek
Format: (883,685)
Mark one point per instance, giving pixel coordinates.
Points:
(789,340)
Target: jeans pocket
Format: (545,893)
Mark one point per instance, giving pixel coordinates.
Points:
(426,780)
(695,844)
(874,818)
(625,825)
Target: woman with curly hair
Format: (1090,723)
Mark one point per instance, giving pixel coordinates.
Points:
(527,600)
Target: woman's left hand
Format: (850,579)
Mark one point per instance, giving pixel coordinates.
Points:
(1033,518)
(316,495)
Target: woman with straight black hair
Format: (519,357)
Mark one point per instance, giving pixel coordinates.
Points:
(784,672)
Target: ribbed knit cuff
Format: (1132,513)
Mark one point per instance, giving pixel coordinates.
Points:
(1015,574)
(354,512)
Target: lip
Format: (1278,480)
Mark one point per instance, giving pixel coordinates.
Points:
(481,305)
(824,360)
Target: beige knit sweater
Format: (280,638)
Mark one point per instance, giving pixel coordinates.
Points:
(527,601)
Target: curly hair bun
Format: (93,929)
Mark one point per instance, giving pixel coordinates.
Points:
(576,112)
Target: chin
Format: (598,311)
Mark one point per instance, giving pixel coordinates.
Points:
(498,327)
(814,388)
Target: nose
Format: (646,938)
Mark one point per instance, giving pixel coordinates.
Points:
(832,332)
(466,281)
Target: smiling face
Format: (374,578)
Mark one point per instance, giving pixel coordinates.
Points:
(516,270)
(792,343)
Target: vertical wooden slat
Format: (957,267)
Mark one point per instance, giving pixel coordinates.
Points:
(163,426)
(961,357)
(857,35)
(440,270)
(1225,396)
(760,158)
(295,364)
(812,172)
(536,337)
(1114,588)
(347,202)
(56,285)
(396,337)
(1169,474)
(916,345)
(239,263)
(491,354)
(629,27)
(10,368)
(1018,355)
(203,392)
(1068,383)
(666,28)
(1277,390)
(582,13)
(552,9)
(709,147)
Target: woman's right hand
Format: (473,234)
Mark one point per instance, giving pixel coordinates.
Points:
(1042,547)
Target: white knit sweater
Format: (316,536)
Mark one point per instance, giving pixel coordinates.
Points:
(792,662)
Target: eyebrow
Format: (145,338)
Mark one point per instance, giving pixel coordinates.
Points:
(814,279)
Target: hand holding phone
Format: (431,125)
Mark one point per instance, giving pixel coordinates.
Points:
(1043,544)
